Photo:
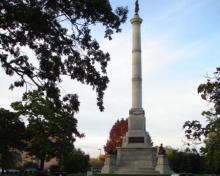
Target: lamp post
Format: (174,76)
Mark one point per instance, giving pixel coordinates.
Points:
(99,151)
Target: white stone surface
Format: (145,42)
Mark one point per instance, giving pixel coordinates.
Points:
(136,62)
(109,165)
(136,160)
(163,165)
(136,128)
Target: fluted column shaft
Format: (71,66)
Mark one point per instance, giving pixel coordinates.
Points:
(136,63)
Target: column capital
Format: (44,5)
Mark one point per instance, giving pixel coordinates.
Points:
(136,19)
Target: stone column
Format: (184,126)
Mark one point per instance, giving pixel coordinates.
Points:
(136,156)
(136,63)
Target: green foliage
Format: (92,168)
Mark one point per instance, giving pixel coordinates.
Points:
(212,150)
(43,41)
(186,161)
(29,164)
(52,131)
(12,137)
(76,161)
(54,168)
(96,163)
(58,34)
(210,91)
(10,160)
(78,174)
(131,174)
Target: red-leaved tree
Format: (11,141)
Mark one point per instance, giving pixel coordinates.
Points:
(116,135)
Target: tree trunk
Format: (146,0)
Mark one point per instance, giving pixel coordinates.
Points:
(3,163)
(42,164)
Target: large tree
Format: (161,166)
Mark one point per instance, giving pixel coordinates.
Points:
(76,161)
(52,131)
(12,137)
(116,135)
(186,161)
(58,34)
(210,133)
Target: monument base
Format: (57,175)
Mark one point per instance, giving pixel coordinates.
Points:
(136,156)
(163,165)
(109,165)
(140,160)
(130,160)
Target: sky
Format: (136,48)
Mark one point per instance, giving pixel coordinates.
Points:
(180,46)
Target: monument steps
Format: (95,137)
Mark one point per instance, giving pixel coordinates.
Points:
(139,172)
(126,170)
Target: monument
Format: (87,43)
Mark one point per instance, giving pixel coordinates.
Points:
(137,154)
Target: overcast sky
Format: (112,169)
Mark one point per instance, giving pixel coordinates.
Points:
(180,45)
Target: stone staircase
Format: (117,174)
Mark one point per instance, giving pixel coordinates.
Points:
(125,170)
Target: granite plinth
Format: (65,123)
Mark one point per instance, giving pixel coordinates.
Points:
(163,165)
(109,165)
(136,160)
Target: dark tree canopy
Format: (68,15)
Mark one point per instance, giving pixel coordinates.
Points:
(52,131)
(12,131)
(116,135)
(58,33)
(188,161)
(12,137)
(76,161)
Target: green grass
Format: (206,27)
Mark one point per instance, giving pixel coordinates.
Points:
(84,174)
(78,174)
(34,174)
(131,174)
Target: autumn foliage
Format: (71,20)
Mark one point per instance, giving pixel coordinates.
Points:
(116,135)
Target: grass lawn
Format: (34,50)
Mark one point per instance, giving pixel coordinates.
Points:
(131,174)
(38,174)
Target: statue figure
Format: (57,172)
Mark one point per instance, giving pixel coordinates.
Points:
(136,7)
(161,150)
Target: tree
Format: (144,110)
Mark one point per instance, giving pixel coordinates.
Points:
(96,163)
(12,137)
(11,160)
(210,133)
(58,34)
(29,164)
(186,161)
(52,130)
(116,135)
(76,161)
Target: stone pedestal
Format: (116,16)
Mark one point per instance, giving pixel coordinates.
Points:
(163,165)
(136,154)
(137,136)
(109,165)
(136,160)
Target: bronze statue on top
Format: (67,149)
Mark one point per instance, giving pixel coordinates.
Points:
(136,7)
(161,150)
